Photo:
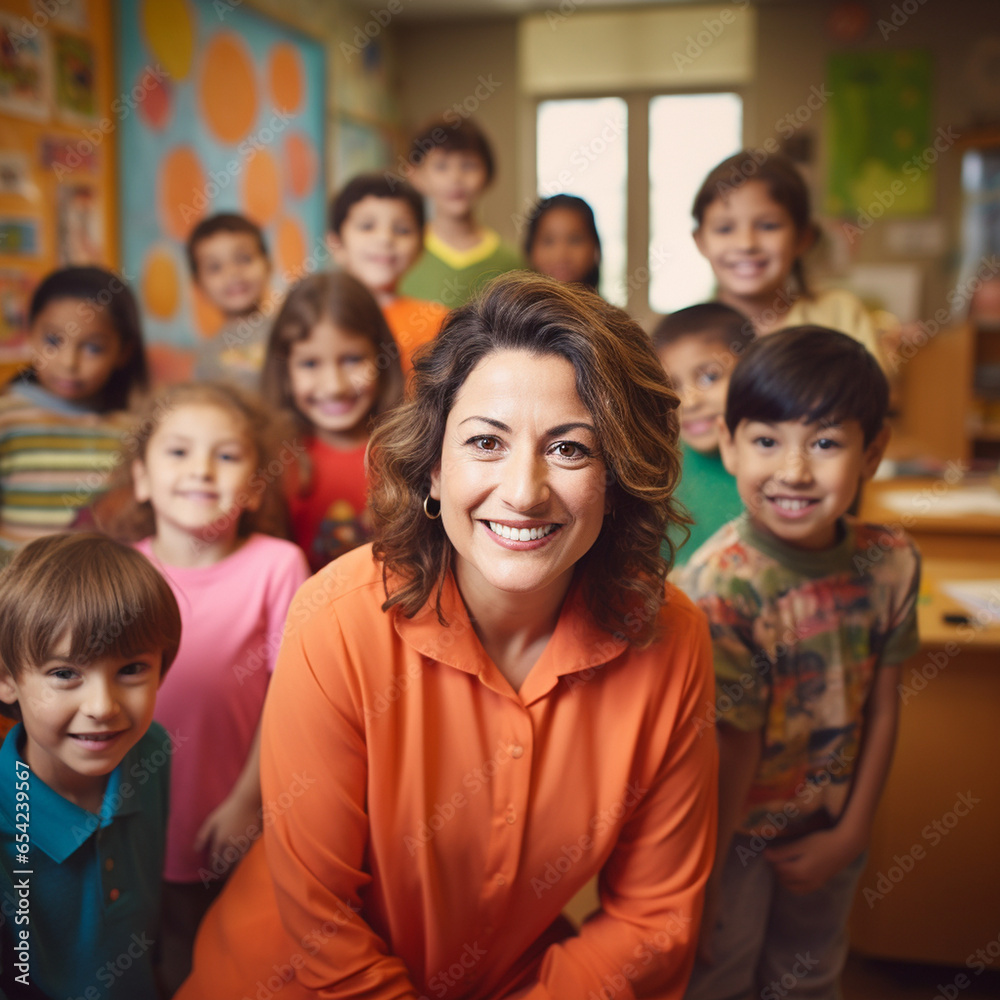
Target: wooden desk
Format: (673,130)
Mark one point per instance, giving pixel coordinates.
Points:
(937,534)
(931,889)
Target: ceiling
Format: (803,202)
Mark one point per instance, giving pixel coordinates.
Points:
(441,10)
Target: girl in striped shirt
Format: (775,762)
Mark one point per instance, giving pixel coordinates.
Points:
(63,420)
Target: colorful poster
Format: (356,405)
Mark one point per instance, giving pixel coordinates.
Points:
(19,238)
(73,14)
(63,154)
(25,71)
(15,175)
(224,114)
(882,152)
(75,96)
(78,225)
(15,291)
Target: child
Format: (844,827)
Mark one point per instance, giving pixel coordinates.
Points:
(61,421)
(375,235)
(332,363)
(229,263)
(203,476)
(562,240)
(754,225)
(452,165)
(89,631)
(698,348)
(812,615)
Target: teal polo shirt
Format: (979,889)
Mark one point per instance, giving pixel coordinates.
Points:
(710,496)
(84,887)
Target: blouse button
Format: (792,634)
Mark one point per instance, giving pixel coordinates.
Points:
(516,752)
(109,864)
(501,880)
(113,895)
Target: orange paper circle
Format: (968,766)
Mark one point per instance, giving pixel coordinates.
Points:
(169,365)
(168,28)
(208,319)
(290,247)
(156,102)
(262,188)
(183,198)
(286,79)
(301,164)
(227,90)
(160,284)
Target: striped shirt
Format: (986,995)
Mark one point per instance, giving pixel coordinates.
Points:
(55,458)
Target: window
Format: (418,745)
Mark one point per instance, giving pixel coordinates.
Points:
(642,207)
(688,135)
(583,150)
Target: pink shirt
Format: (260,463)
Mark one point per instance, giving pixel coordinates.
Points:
(233,618)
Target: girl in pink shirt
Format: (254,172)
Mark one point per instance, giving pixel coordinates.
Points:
(333,364)
(202,470)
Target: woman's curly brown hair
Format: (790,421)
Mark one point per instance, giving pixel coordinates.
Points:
(622,384)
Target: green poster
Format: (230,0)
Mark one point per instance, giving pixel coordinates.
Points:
(881,151)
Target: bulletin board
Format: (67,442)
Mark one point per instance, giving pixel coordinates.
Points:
(881,150)
(57,152)
(232,119)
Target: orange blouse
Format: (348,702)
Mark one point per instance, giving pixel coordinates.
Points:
(425,824)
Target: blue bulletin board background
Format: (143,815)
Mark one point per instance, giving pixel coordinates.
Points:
(220,109)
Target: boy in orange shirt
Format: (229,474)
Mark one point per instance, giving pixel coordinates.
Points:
(375,235)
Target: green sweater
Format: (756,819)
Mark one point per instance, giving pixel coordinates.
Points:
(449,276)
(709,494)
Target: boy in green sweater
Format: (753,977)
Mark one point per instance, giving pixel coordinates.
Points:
(451,165)
(698,348)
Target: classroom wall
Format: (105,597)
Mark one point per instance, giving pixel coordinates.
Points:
(794,43)
(794,40)
(57,153)
(361,96)
(441,65)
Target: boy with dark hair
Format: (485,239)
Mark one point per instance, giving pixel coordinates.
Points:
(90,628)
(812,615)
(229,263)
(451,165)
(698,348)
(374,235)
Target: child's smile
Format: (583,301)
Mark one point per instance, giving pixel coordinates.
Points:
(334,382)
(232,272)
(798,478)
(81,719)
(196,473)
(378,241)
(751,243)
(76,350)
(699,371)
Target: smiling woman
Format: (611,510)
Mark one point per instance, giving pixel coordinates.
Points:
(538,349)
(506,700)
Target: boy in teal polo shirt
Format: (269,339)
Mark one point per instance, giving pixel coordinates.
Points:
(698,348)
(90,628)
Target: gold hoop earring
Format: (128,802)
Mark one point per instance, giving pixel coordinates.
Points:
(433,517)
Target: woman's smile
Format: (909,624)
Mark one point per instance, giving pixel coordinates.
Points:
(518,534)
(521,482)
